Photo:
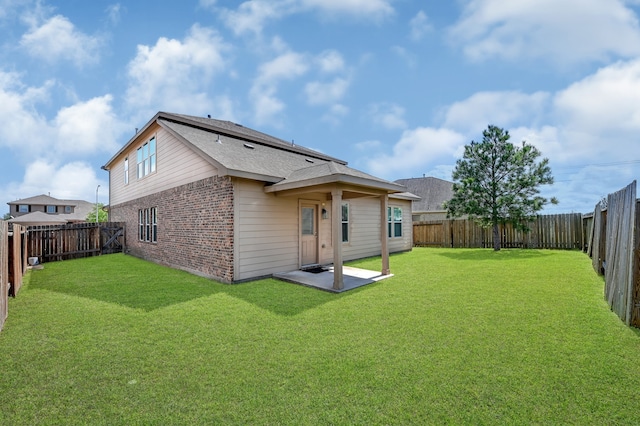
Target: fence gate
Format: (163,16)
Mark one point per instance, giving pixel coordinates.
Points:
(112,238)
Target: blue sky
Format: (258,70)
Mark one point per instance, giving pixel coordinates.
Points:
(395,87)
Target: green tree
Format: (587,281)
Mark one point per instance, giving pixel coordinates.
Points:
(6,216)
(497,182)
(103,216)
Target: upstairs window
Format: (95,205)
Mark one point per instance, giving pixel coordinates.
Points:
(52,209)
(146,158)
(67,209)
(23,208)
(394,221)
(126,170)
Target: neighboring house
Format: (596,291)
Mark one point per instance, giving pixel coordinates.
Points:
(46,210)
(433,193)
(227,202)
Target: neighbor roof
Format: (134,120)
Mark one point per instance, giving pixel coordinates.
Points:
(40,218)
(433,192)
(45,200)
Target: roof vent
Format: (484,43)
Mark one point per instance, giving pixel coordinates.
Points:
(239,125)
(249,146)
(308,160)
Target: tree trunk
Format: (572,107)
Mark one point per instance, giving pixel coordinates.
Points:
(496,237)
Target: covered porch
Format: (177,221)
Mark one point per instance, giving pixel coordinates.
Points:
(336,183)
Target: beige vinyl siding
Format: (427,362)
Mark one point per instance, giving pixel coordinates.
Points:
(177,165)
(266,229)
(364,230)
(406,241)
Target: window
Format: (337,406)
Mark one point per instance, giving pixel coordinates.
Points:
(345,222)
(51,209)
(146,158)
(154,225)
(23,208)
(394,220)
(67,209)
(148,225)
(126,171)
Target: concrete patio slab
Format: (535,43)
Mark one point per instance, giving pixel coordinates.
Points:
(352,277)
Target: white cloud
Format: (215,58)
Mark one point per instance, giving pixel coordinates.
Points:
(286,66)
(589,131)
(335,114)
(319,93)
(253,15)
(330,61)
(74,180)
(366,9)
(113,13)
(88,127)
(562,31)
(20,126)
(58,39)
(607,101)
(503,109)
(417,149)
(79,129)
(389,116)
(175,75)
(419,26)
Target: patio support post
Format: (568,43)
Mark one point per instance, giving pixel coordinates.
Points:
(336,237)
(384,247)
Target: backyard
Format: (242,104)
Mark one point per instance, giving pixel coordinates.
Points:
(462,336)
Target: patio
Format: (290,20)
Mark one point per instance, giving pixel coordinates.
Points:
(323,280)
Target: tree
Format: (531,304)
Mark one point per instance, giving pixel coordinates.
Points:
(496,182)
(103,216)
(7,216)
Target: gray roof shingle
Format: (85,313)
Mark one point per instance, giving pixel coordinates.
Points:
(433,192)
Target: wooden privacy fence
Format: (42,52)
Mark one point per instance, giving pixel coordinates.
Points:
(563,231)
(613,245)
(12,264)
(4,272)
(62,242)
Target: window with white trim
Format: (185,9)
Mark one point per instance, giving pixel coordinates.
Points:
(394,221)
(126,171)
(23,208)
(146,158)
(52,209)
(345,222)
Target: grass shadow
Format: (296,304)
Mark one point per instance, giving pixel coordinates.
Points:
(139,284)
(480,255)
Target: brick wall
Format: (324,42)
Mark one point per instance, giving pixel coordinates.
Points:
(195,227)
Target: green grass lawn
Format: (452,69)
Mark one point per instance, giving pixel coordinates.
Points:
(456,336)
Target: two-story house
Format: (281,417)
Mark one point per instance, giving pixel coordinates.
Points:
(47,210)
(224,201)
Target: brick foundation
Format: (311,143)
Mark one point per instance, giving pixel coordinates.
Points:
(195,227)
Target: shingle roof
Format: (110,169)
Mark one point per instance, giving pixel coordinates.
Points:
(243,152)
(45,200)
(41,218)
(338,172)
(245,158)
(433,192)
